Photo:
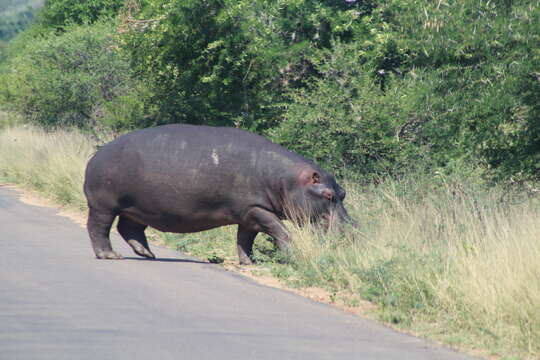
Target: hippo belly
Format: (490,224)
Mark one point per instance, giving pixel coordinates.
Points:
(178,223)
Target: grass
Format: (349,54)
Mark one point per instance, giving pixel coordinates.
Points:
(453,262)
(445,257)
(49,162)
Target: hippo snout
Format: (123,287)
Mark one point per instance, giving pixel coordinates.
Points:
(337,218)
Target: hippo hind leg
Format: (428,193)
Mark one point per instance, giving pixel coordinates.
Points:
(99,227)
(133,234)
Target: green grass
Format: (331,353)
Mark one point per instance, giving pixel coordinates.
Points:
(445,257)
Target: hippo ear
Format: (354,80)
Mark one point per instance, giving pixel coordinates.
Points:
(309,177)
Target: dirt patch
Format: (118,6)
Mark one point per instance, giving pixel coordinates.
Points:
(344,301)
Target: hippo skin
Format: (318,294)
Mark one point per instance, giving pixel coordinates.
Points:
(186,178)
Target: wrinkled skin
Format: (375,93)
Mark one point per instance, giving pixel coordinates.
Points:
(184,178)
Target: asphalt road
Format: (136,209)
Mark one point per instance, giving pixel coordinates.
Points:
(58,302)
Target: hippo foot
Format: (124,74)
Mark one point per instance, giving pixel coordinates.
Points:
(246,261)
(144,252)
(108,255)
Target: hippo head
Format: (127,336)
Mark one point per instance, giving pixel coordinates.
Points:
(317,196)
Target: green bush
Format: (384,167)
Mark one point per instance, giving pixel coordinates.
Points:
(192,57)
(482,57)
(61,13)
(346,122)
(77,78)
(224,62)
(432,86)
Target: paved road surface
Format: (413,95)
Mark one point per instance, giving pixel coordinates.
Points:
(58,302)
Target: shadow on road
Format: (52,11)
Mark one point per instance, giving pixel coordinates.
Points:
(167,260)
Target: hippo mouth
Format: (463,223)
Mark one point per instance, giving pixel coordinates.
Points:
(328,221)
(335,219)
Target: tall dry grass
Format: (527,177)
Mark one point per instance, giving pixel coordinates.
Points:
(50,162)
(458,263)
(447,257)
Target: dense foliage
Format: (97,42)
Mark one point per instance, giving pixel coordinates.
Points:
(60,13)
(74,79)
(373,87)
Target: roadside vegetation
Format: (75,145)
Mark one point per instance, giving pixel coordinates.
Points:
(428,111)
(50,163)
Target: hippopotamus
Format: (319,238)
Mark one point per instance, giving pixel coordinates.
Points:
(185,178)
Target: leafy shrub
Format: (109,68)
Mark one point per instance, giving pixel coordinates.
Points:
(76,78)
(483,57)
(346,122)
(192,56)
(230,62)
(432,86)
(61,13)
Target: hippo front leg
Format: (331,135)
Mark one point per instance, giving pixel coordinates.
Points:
(261,220)
(244,243)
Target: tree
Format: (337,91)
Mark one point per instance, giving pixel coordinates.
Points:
(60,13)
